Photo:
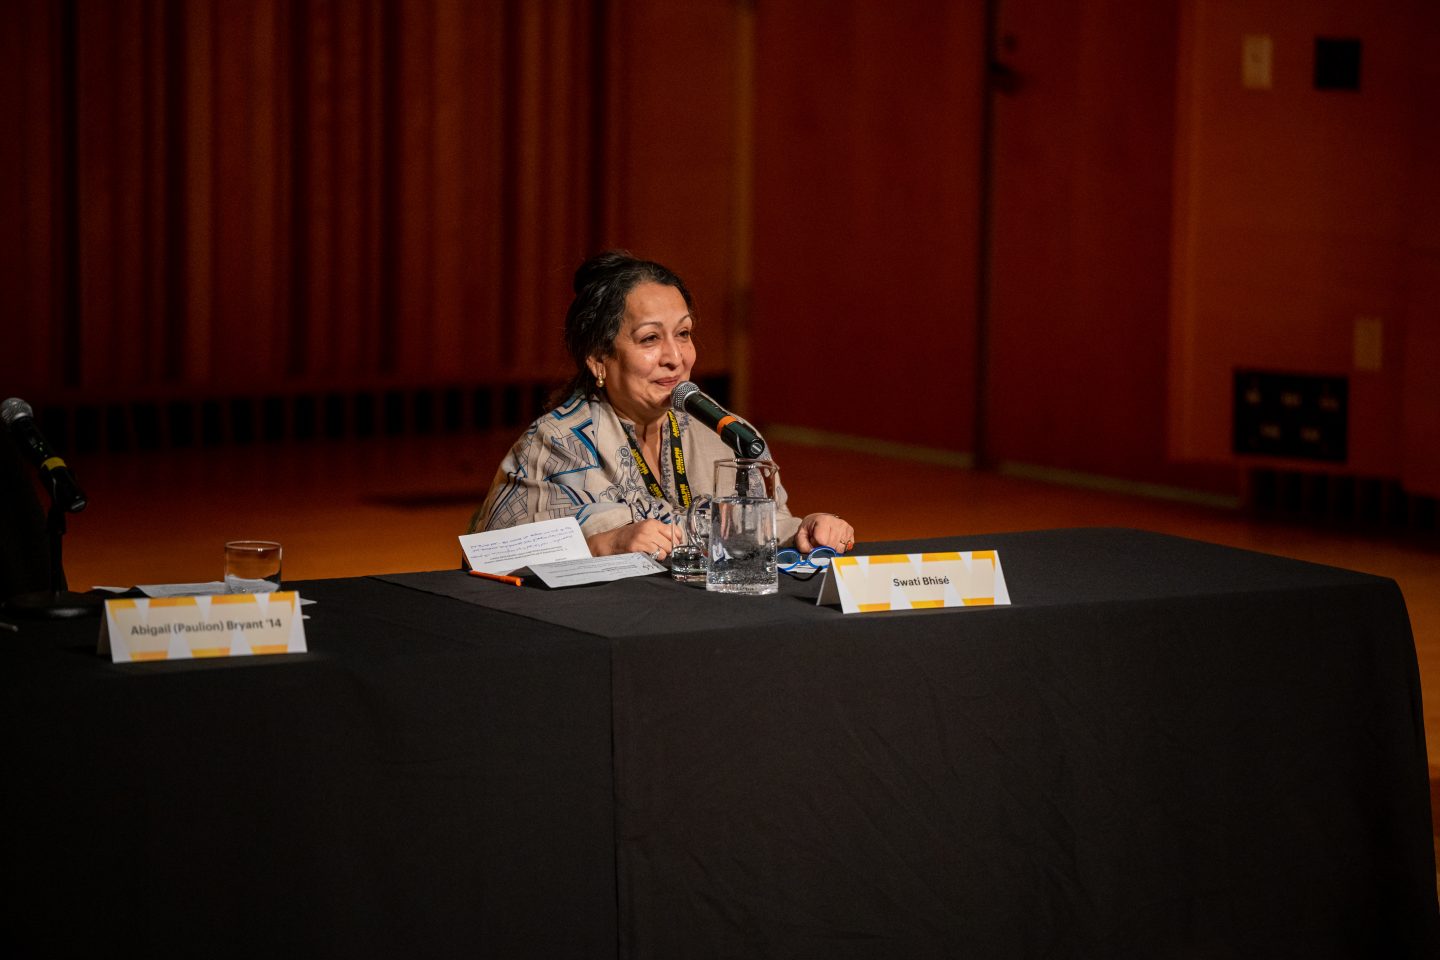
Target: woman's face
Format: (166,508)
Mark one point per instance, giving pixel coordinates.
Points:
(652,353)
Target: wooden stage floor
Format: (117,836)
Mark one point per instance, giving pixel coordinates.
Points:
(397,505)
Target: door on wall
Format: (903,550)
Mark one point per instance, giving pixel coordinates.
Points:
(866,223)
(1080,193)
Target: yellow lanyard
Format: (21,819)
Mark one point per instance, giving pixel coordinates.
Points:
(678,458)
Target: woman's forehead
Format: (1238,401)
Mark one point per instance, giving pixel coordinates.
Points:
(654,302)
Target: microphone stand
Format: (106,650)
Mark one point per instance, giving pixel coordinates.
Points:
(742,477)
(57,603)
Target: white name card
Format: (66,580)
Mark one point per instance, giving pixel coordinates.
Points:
(186,628)
(915,581)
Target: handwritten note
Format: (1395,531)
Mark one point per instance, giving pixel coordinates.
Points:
(515,548)
(571,573)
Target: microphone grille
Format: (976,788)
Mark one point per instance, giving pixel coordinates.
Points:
(682,391)
(15,409)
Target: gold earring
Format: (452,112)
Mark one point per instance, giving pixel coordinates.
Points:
(600,380)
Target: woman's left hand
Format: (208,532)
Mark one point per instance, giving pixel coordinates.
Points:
(824,530)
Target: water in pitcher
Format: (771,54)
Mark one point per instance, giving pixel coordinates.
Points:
(742,546)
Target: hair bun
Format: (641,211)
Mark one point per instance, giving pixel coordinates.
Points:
(602,266)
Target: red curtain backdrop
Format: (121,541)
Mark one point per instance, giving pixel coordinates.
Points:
(234,196)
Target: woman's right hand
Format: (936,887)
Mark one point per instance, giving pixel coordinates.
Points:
(646,536)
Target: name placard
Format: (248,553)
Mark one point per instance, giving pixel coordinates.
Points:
(186,628)
(915,581)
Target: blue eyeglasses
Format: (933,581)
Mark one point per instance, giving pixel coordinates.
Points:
(804,566)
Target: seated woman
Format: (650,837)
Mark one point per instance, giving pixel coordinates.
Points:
(605,455)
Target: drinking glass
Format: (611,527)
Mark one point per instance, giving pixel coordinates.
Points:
(742,528)
(252,566)
(691,544)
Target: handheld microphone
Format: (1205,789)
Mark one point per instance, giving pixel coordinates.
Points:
(19,418)
(689,398)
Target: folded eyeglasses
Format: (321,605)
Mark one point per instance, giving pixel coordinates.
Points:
(803,566)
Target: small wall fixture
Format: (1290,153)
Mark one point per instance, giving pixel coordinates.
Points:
(1337,63)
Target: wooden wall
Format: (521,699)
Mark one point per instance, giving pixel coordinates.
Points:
(1300,210)
(242,196)
(868,152)
(680,86)
(1080,269)
(1420,349)
(239,198)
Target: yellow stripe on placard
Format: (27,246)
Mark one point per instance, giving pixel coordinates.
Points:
(889,558)
(149,654)
(921,604)
(846,561)
(928,557)
(234,598)
(266,648)
(123,604)
(198,652)
(173,602)
(983,555)
(872,607)
(979,601)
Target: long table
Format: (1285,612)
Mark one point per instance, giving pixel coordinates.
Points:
(1162,748)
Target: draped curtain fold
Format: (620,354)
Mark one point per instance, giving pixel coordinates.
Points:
(244,196)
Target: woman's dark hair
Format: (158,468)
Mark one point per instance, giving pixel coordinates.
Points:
(593,321)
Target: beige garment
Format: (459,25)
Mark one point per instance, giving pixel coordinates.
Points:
(576,461)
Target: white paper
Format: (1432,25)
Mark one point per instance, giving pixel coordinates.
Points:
(508,550)
(571,573)
(183,589)
(171,589)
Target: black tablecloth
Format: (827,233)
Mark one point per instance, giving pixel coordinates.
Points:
(1162,748)
(431,780)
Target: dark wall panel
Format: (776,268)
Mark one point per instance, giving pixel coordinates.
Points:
(867,124)
(1083,188)
(678,154)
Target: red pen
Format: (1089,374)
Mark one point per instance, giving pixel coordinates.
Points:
(498,576)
